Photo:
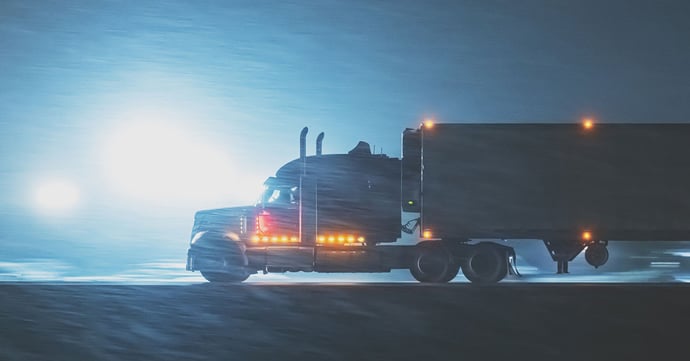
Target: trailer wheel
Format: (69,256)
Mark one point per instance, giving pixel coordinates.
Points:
(432,264)
(485,263)
(223,277)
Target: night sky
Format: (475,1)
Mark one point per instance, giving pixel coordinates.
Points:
(145,111)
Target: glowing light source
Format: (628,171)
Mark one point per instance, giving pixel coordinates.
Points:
(153,159)
(588,124)
(340,239)
(56,196)
(428,123)
(426,234)
(274,239)
(586,236)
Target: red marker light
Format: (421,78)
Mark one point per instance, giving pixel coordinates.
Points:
(263,222)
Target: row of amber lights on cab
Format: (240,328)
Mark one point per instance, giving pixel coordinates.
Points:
(587,123)
(274,239)
(339,239)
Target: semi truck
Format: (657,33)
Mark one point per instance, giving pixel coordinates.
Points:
(462,189)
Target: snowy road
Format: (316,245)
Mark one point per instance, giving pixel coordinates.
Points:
(341,322)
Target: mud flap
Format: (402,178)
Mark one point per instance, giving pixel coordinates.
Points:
(511,258)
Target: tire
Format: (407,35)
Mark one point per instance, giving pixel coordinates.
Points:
(451,273)
(223,277)
(432,264)
(485,263)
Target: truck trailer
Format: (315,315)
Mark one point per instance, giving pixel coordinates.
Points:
(463,189)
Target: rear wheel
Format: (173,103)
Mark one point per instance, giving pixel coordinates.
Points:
(486,263)
(451,273)
(224,277)
(433,264)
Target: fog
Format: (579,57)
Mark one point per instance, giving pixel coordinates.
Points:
(120,119)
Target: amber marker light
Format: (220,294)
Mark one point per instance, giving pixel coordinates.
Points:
(428,123)
(586,236)
(588,124)
(426,234)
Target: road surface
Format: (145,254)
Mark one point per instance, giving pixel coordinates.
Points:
(343,321)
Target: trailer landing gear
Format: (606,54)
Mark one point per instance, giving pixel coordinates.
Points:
(563,252)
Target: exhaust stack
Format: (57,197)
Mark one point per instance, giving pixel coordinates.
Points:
(319,142)
(303,143)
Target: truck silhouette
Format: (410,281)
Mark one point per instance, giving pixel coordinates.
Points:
(463,189)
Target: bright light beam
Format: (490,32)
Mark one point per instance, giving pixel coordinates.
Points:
(152,161)
(54,196)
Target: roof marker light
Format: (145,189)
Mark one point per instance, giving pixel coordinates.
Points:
(428,123)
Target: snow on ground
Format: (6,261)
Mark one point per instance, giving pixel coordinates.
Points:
(168,271)
(341,322)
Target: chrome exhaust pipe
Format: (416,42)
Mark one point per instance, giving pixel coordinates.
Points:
(303,143)
(319,142)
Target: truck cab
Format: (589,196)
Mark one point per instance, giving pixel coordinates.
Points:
(318,213)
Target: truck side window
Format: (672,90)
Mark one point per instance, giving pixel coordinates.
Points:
(282,196)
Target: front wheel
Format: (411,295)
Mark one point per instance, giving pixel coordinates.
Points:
(225,277)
